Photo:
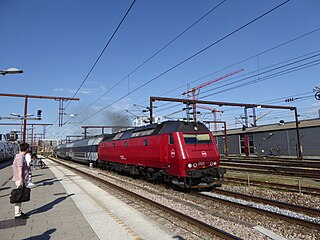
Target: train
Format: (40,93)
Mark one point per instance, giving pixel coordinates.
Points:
(177,153)
(84,150)
(8,149)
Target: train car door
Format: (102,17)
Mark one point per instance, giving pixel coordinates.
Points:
(172,155)
(164,145)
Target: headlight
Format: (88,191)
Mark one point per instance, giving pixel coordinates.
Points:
(214,163)
(189,165)
(211,164)
(195,165)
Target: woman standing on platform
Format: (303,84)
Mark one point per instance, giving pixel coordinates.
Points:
(20,176)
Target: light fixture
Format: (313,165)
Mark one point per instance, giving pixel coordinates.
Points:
(11,71)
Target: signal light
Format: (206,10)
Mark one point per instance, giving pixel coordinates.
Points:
(39,114)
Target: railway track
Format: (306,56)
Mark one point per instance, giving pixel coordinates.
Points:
(286,168)
(273,185)
(277,215)
(301,209)
(278,162)
(190,220)
(294,220)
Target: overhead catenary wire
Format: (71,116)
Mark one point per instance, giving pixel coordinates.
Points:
(296,68)
(100,55)
(254,75)
(103,50)
(264,72)
(297,99)
(160,75)
(290,70)
(274,115)
(241,61)
(191,57)
(246,59)
(155,54)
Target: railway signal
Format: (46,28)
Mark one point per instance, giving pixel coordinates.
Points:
(39,114)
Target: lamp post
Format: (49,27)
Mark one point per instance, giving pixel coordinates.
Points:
(23,122)
(11,71)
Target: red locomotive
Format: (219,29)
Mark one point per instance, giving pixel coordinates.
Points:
(175,152)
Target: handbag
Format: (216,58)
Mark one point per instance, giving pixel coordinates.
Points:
(20,195)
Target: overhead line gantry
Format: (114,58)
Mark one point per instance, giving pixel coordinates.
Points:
(26,97)
(231,104)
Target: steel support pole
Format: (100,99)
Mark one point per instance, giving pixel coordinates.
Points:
(31,135)
(300,157)
(246,137)
(25,119)
(21,129)
(151,110)
(254,117)
(225,139)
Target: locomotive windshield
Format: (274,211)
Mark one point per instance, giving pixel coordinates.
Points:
(203,138)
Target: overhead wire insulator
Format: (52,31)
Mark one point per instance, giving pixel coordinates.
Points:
(290,99)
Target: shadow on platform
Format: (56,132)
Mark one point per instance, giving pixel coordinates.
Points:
(4,188)
(6,195)
(43,236)
(48,181)
(48,206)
(37,175)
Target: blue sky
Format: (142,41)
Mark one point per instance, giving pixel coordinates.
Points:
(57,42)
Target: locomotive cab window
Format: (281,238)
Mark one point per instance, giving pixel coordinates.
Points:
(197,138)
(118,136)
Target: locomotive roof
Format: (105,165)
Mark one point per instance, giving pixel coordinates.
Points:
(162,128)
(180,126)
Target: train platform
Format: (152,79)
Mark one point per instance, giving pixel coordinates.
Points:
(65,206)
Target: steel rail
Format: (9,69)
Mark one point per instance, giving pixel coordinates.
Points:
(307,173)
(279,186)
(301,209)
(204,226)
(280,162)
(278,167)
(301,222)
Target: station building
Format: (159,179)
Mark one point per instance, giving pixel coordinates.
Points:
(276,140)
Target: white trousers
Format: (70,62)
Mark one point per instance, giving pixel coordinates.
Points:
(17,206)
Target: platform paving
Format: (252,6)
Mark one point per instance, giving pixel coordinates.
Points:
(66,206)
(52,212)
